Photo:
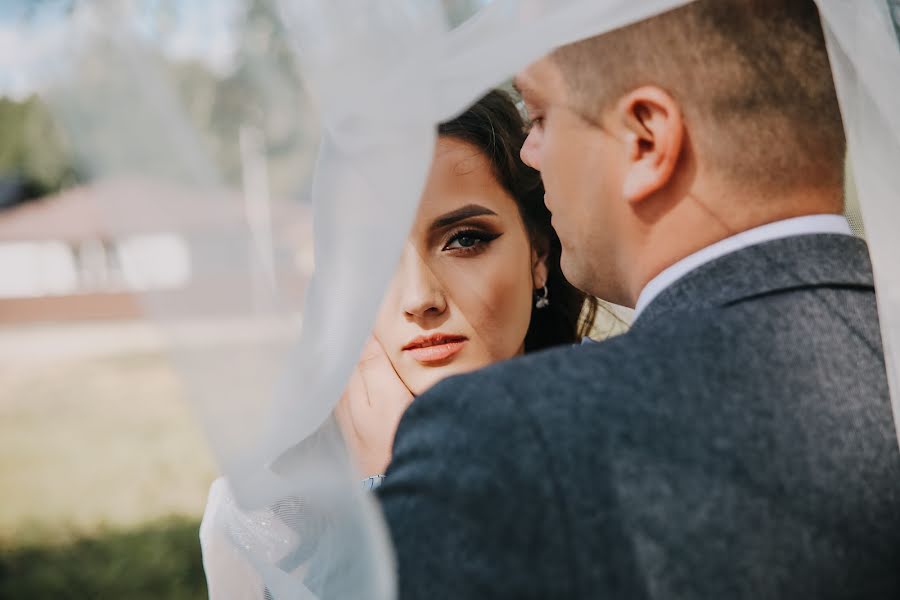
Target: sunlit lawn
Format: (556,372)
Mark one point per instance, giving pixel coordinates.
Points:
(103,477)
(103,473)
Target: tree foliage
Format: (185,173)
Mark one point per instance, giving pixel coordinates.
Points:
(261,91)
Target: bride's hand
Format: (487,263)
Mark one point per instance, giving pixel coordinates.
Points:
(370,409)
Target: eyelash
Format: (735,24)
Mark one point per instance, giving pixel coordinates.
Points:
(482,239)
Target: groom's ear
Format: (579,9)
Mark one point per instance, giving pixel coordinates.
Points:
(654,138)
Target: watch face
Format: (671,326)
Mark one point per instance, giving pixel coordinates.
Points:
(373,482)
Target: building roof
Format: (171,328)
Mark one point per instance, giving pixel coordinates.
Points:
(122,207)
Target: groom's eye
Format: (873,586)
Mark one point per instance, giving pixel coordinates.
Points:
(534,122)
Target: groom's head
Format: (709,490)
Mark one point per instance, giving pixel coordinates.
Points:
(658,139)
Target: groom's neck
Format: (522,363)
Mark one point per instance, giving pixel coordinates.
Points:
(702,219)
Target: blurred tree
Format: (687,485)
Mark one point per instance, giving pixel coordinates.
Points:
(35,158)
(265,93)
(459,11)
(894,8)
(261,91)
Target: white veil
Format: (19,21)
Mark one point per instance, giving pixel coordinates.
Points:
(376,79)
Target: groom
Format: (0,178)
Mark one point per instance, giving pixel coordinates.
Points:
(738,441)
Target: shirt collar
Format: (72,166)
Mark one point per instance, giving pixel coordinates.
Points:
(806,225)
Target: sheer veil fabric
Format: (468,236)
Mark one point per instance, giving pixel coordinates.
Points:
(376,79)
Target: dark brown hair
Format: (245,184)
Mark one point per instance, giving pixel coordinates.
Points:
(752,78)
(494,126)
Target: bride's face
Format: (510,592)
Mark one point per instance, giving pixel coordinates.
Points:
(462,294)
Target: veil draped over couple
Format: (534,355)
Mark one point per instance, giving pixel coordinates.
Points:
(737,441)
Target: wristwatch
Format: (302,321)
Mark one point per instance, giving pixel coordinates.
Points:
(373,482)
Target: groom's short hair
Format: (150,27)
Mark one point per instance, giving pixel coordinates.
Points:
(752,77)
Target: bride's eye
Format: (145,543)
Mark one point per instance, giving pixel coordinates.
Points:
(469,241)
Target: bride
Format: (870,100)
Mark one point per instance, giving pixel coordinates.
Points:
(478,282)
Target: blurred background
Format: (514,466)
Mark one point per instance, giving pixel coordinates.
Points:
(104,469)
(117,220)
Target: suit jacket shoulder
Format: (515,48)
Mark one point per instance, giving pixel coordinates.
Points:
(737,442)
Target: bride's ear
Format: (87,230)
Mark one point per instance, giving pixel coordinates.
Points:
(539,270)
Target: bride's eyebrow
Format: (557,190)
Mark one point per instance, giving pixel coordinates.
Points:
(461,214)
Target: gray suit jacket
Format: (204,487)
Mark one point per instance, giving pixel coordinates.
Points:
(738,442)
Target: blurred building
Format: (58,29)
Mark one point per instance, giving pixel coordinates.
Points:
(98,251)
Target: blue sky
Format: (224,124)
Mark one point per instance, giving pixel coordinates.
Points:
(13,10)
(34,34)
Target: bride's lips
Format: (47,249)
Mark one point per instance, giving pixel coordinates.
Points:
(435,348)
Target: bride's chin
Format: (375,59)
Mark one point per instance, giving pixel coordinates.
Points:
(430,377)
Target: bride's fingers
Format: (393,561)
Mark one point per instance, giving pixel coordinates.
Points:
(383,384)
(375,362)
(372,350)
(371,406)
(346,409)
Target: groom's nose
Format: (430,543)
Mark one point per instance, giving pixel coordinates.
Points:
(421,292)
(529,151)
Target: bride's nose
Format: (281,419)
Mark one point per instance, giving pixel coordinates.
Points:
(422,295)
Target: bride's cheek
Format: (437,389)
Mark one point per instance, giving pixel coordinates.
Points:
(508,311)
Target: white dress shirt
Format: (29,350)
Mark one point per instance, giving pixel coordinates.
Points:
(773,231)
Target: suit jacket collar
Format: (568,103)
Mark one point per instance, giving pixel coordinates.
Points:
(789,263)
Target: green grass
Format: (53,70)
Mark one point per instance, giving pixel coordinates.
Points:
(103,478)
(102,443)
(158,560)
